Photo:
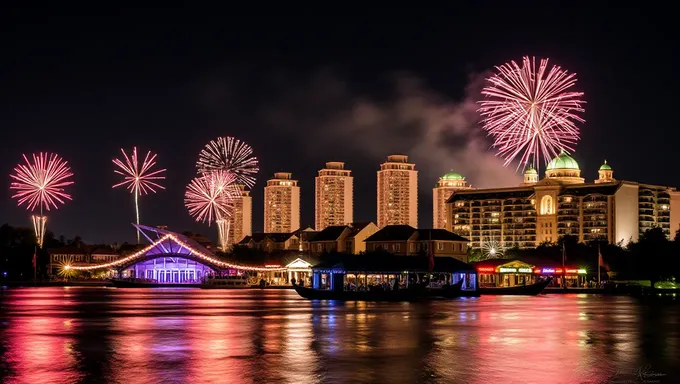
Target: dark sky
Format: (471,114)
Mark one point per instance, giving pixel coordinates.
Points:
(313,85)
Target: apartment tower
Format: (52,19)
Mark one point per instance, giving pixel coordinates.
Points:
(241,221)
(334,196)
(446,185)
(281,204)
(397,192)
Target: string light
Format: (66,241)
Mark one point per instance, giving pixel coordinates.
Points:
(195,253)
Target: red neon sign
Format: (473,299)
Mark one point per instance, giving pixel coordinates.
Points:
(537,270)
(486,269)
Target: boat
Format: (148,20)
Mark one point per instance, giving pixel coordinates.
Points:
(413,293)
(148,283)
(225,282)
(529,290)
(447,291)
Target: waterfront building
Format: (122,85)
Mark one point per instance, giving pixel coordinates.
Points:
(333,204)
(305,235)
(446,185)
(103,255)
(281,204)
(82,255)
(512,272)
(65,256)
(343,238)
(397,192)
(270,242)
(563,203)
(405,240)
(241,220)
(352,273)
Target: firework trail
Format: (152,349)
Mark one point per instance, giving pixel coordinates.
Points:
(231,155)
(41,184)
(138,178)
(530,113)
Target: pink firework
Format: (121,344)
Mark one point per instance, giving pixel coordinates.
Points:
(529,111)
(138,178)
(231,155)
(210,196)
(40,184)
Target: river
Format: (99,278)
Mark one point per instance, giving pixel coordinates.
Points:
(71,335)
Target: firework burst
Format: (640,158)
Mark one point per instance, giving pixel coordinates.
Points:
(210,197)
(529,111)
(40,184)
(231,155)
(138,178)
(492,249)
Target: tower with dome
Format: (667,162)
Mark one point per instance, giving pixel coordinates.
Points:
(447,184)
(563,203)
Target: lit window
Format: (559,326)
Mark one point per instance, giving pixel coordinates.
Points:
(547,205)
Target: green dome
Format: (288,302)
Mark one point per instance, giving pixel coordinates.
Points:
(605,167)
(453,176)
(563,161)
(531,171)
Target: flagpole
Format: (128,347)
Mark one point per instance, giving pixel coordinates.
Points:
(564,274)
(599,261)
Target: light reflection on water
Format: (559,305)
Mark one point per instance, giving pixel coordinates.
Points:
(59,335)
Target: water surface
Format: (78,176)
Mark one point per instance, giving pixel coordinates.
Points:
(65,335)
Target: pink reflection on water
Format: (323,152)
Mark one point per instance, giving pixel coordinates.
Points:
(147,336)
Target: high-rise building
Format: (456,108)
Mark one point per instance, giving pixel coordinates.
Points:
(281,204)
(241,221)
(563,203)
(446,185)
(334,200)
(397,192)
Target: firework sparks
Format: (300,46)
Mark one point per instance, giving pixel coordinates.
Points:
(138,178)
(210,197)
(231,155)
(40,184)
(529,111)
(492,249)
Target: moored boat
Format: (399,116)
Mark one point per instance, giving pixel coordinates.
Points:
(147,283)
(226,282)
(413,293)
(529,290)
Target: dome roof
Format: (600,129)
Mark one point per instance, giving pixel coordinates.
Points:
(605,167)
(562,161)
(531,171)
(453,176)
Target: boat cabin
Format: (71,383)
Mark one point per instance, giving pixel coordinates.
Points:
(388,272)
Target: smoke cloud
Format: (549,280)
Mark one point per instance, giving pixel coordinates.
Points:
(437,133)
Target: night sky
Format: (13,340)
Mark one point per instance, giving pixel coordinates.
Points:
(313,85)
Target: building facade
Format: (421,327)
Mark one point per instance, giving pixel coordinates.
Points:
(241,221)
(348,238)
(334,202)
(397,192)
(281,204)
(561,204)
(404,240)
(446,185)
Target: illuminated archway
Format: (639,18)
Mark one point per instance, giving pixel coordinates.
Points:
(547,206)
